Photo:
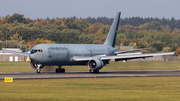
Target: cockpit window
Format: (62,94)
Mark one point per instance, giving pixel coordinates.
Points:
(36,50)
(39,50)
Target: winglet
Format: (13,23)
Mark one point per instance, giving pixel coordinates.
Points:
(111,38)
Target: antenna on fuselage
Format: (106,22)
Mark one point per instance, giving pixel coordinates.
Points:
(111,38)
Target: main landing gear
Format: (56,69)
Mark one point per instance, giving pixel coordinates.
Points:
(93,71)
(60,70)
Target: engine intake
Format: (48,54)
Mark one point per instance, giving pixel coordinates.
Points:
(35,65)
(95,64)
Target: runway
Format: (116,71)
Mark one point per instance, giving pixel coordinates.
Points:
(85,74)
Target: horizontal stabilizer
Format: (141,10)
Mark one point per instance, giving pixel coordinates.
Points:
(121,52)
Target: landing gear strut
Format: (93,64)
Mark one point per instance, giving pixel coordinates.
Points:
(38,69)
(60,70)
(93,71)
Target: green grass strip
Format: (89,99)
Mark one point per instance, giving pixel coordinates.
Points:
(88,89)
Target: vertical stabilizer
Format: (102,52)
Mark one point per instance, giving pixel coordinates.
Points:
(111,38)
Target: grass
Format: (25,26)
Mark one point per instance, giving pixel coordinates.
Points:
(131,65)
(83,89)
(80,89)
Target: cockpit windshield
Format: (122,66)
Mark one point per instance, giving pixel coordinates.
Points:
(36,50)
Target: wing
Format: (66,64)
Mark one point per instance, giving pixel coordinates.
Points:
(14,52)
(121,57)
(120,52)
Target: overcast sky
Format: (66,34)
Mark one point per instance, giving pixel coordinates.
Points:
(95,8)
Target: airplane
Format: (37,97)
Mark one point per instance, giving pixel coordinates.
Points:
(95,56)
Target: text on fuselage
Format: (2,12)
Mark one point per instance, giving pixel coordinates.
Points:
(58,48)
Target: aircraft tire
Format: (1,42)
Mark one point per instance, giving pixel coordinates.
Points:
(60,70)
(38,71)
(95,71)
(90,71)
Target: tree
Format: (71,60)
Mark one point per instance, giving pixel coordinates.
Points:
(100,31)
(5,32)
(152,50)
(152,26)
(178,50)
(1,45)
(16,36)
(70,36)
(28,20)
(20,18)
(1,35)
(166,49)
(158,45)
(32,43)
(4,19)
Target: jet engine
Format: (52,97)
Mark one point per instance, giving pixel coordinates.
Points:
(95,64)
(35,65)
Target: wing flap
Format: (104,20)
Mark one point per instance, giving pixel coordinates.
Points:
(16,53)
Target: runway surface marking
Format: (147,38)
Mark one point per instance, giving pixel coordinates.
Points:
(84,74)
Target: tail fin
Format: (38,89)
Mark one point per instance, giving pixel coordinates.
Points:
(111,38)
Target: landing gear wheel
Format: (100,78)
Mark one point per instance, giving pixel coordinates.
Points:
(62,70)
(93,71)
(90,71)
(38,71)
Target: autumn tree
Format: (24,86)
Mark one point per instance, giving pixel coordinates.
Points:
(178,50)
(4,19)
(152,26)
(100,31)
(32,43)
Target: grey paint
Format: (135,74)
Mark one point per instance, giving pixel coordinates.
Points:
(62,54)
(111,38)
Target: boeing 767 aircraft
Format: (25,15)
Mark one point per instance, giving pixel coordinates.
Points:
(95,56)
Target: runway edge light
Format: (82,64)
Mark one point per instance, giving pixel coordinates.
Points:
(8,79)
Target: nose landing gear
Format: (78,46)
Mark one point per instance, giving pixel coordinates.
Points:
(38,69)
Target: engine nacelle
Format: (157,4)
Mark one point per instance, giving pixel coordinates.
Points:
(35,65)
(95,64)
